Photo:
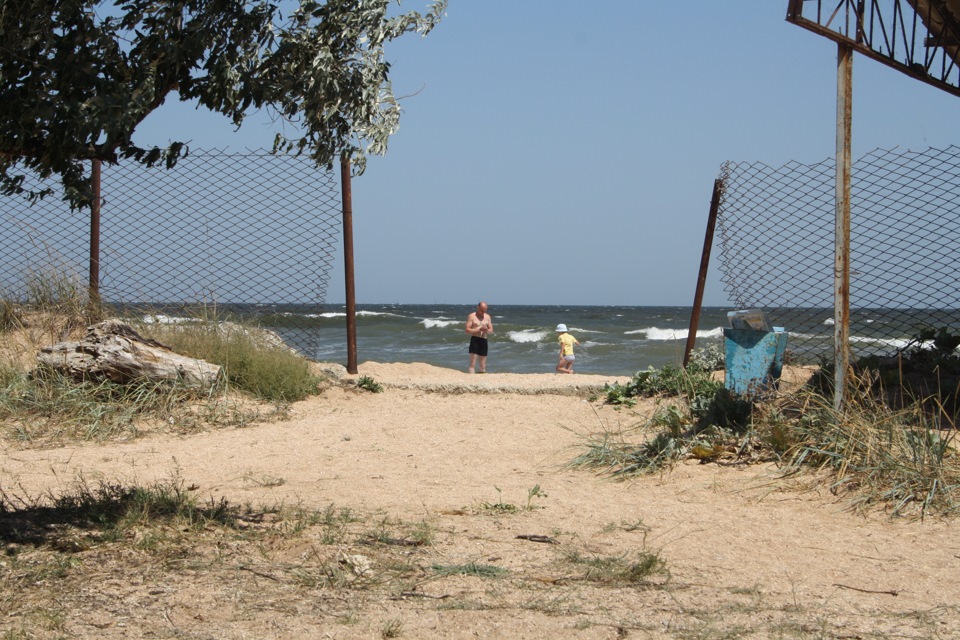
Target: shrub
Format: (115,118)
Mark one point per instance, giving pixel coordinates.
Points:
(877,455)
(709,358)
(696,380)
(250,361)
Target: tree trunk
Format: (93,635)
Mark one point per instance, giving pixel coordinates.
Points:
(114,350)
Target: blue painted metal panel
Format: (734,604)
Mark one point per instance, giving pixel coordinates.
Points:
(754,359)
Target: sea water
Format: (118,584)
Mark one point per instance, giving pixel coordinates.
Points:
(614,340)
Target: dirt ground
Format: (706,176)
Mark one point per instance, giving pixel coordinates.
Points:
(480,462)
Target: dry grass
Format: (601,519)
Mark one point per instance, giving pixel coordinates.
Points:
(105,560)
(45,408)
(897,459)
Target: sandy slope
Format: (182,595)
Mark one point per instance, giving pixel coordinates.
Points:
(749,554)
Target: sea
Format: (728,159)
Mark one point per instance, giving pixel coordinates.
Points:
(614,340)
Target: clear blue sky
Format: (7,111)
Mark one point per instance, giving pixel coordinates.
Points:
(564,152)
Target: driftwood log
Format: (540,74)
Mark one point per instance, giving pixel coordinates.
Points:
(114,350)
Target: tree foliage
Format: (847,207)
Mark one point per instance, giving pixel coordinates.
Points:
(77,77)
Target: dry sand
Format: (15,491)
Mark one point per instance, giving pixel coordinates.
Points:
(749,554)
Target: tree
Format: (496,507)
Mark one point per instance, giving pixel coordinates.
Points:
(78,76)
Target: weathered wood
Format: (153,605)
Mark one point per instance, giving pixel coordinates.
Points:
(114,350)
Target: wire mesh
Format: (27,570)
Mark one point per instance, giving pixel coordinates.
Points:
(249,234)
(776,228)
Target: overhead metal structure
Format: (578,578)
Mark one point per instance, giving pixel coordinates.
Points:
(920,38)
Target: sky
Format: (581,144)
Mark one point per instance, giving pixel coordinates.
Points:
(564,152)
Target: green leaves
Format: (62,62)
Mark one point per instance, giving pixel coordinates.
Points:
(77,77)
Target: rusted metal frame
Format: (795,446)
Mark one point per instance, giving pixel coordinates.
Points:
(866,23)
(928,53)
(346,194)
(840,38)
(704,266)
(876,16)
(898,13)
(93,280)
(949,36)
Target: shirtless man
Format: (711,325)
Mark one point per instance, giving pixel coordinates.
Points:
(479,324)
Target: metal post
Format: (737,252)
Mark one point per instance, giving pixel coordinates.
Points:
(351,301)
(704,264)
(93,281)
(841,264)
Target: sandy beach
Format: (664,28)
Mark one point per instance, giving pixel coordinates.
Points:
(746,553)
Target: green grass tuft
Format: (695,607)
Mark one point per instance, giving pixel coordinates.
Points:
(251,362)
(469,569)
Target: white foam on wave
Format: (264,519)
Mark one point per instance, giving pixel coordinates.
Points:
(162,319)
(829,322)
(896,343)
(527,335)
(343,314)
(438,323)
(579,330)
(655,333)
(379,313)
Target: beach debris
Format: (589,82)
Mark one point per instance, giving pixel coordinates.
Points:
(537,538)
(359,565)
(115,351)
(397,542)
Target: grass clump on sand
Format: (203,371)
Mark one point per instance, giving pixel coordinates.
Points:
(898,458)
(39,404)
(166,533)
(113,508)
(700,421)
(251,361)
(641,568)
(50,406)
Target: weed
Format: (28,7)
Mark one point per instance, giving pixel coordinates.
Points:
(637,525)
(369,384)
(639,569)
(469,569)
(534,492)
(392,628)
(396,532)
(265,480)
(499,506)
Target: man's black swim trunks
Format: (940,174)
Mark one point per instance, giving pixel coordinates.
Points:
(478,346)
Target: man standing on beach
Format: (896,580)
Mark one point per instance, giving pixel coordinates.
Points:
(479,324)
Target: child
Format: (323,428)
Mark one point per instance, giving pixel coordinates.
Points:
(566,349)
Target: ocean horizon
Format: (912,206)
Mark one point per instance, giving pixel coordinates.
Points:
(614,340)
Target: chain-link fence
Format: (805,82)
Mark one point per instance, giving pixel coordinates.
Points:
(776,228)
(252,233)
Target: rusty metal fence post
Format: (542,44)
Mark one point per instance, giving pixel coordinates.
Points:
(704,266)
(93,280)
(349,290)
